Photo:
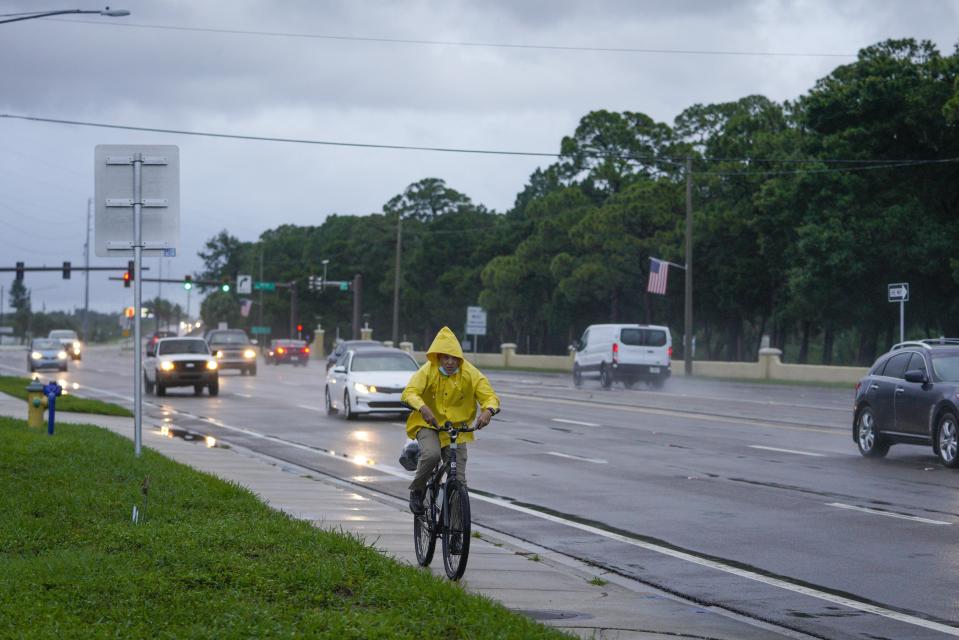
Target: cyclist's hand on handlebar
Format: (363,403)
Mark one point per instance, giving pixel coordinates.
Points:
(427,414)
(483,419)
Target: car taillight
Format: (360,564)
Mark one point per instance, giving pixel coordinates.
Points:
(306,349)
(281,350)
(615,352)
(669,352)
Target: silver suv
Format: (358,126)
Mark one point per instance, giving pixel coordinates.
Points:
(233,350)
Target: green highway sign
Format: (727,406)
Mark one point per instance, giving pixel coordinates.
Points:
(260,330)
(264,286)
(344,286)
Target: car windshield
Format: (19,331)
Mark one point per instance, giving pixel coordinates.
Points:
(168,347)
(383,362)
(947,367)
(46,344)
(229,338)
(63,335)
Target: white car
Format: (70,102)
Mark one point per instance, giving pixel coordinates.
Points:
(70,341)
(180,362)
(627,353)
(369,381)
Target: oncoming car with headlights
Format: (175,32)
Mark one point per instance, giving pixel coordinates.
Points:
(180,362)
(233,350)
(70,341)
(46,354)
(367,381)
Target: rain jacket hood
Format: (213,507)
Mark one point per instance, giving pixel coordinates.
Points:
(453,397)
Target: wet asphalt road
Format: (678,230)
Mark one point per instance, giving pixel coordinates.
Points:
(749,497)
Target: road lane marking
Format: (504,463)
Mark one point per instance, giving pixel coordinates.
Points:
(675,413)
(649,546)
(572,457)
(311,407)
(798,453)
(582,424)
(243,395)
(888,514)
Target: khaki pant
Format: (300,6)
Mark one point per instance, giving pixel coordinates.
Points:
(430,455)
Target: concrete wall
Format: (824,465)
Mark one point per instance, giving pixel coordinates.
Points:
(768,367)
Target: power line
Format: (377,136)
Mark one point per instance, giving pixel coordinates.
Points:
(466,43)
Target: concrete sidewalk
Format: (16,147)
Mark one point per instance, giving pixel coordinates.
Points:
(558,590)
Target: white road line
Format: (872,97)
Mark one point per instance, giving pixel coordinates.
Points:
(243,395)
(572,457)
(888,514)
(798,453)
(582,424)
(311,407)
(649,546)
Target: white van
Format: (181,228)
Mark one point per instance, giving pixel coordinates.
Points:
(627,353)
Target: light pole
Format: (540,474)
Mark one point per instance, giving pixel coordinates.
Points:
(111,13)
(325,262)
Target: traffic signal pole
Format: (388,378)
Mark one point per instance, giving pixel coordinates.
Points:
(137,304)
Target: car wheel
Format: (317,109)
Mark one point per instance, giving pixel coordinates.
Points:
(330,410)
(198,389)
(63,367)
(161,389)
(252,371)
(871,444)
(947,440)
(214,388)
(657,383)
(605,377)
(629,383)
(577,376)
(347,407)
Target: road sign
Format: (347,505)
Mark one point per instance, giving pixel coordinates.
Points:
(264,286)
(114,198)
(475,321)
(899,292)
(260,330)
(244,284)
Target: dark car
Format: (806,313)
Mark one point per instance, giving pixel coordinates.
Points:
(909,397)
(295,352)
(233,350)
(345,345)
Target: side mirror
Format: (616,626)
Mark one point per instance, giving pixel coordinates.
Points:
(916,375)
(339,369)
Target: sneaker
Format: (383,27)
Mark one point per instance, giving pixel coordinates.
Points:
(416,502)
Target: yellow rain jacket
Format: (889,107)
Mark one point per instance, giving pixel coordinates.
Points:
(453,398)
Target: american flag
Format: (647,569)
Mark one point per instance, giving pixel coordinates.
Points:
(658,272)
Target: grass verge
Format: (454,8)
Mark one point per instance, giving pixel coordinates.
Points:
(16,387)
(210,560)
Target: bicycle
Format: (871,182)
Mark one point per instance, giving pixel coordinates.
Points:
(446,514)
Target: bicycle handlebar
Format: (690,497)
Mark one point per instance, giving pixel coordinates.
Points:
(448,426)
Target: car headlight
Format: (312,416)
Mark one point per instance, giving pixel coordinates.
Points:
(361,388)
(36,355)
(76,347)
(249,353)
(219,354)
(166,365)
(211,364)
(62,355)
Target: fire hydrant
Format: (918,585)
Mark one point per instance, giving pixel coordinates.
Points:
(36,403)
(51,391)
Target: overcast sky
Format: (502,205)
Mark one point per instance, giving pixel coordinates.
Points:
(170,65)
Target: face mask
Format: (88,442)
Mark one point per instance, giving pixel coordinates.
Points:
(450,373)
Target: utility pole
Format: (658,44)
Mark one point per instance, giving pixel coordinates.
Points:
(396,280)
(292,308)
(357,304)
(688,337)
(260,311)
(86,275)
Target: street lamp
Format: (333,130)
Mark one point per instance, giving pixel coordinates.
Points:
(111,13)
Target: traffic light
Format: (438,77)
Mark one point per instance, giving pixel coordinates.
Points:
(129,275)
(129,312)
(225,286)
(19,271)
(66,270)
(299,327)
(187,282)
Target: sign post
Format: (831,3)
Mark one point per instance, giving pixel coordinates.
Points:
(475,323)
(899,292)
(129,178)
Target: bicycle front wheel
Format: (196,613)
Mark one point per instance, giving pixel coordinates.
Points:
(424,531)
(456,533)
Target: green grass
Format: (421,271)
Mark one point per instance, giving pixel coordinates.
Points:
(599,582)
(17,387)
(210,559)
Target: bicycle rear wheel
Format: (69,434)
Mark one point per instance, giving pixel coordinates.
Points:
(424,530)
(456,533)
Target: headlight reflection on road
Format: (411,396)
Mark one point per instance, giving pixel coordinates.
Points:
(362,436)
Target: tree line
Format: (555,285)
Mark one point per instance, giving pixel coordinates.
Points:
(803,212)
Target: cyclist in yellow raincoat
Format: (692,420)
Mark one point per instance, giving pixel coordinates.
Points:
(446,388)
